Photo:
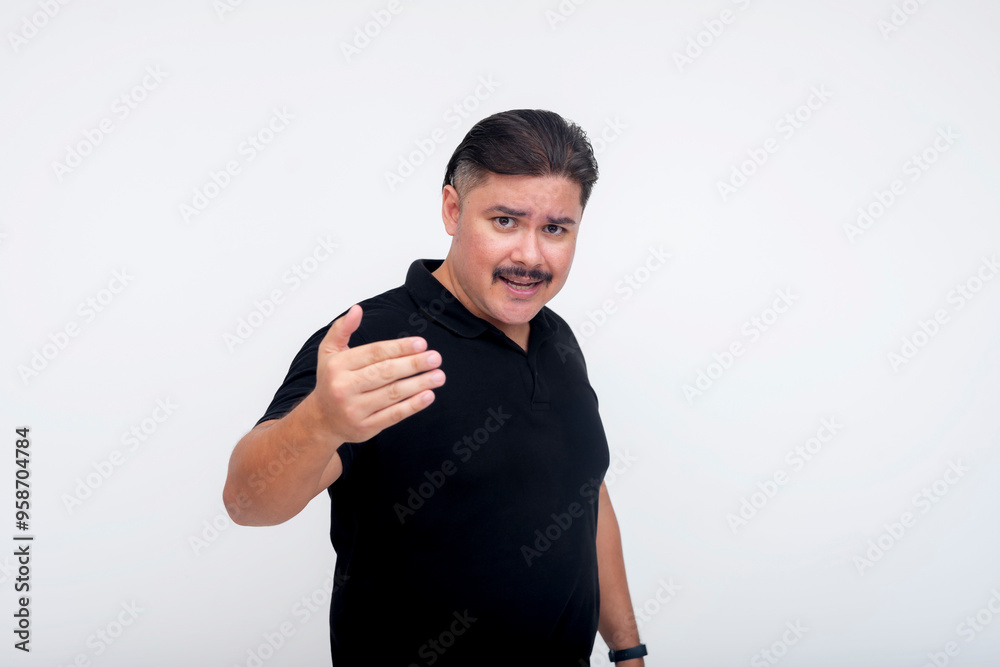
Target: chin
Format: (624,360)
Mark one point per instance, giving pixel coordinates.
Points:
(515,316)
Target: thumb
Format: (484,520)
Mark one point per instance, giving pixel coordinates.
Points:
(337,337)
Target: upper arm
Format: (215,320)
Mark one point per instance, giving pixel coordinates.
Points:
(605,500)
(607,522)
(331,473)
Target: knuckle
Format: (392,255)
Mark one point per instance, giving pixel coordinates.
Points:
(339,391)
(380,352)
(397,413)
(393,392)
(385,372)
(326,367)
(371,372)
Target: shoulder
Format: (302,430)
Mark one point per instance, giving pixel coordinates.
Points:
(561,331)
(555,322)
(563,341)
(386,315)
(381,318)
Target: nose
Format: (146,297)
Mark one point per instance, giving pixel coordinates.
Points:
(527,251)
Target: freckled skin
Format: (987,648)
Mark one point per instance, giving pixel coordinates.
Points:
(536,232)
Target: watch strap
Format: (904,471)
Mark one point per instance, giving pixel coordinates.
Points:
(628,653)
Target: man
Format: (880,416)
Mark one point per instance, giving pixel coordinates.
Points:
(452,423)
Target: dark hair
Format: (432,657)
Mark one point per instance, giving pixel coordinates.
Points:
(530,142)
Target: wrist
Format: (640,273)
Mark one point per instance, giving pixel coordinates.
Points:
(312,423)
(628,656)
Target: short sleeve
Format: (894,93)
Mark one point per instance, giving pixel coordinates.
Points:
(299,381)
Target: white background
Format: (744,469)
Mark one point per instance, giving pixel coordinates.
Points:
(153,534)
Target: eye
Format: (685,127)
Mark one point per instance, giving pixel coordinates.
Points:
(504,221)
(555,230)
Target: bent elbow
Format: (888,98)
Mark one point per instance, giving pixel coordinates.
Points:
(236,505)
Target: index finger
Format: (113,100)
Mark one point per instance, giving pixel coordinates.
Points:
(365,355)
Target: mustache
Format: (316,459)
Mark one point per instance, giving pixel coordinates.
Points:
(523,275)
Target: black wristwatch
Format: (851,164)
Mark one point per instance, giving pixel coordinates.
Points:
(628,653)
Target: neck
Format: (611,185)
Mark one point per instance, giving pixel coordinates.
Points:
(518,333)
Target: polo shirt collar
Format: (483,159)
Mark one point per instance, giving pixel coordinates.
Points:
(440,305)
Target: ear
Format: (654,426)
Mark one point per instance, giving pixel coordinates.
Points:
(449,209)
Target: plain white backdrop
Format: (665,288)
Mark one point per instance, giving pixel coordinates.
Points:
(742,138)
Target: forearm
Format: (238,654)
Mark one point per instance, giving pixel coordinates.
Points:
(617,620)
(275,469)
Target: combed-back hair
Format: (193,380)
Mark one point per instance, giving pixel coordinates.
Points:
(531,142)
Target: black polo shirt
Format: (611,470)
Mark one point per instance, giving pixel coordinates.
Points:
(465,534)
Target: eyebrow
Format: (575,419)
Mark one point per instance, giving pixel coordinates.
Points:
(506,210)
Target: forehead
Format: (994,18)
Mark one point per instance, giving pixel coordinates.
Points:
(551,191)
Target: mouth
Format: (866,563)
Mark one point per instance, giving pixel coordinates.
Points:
(521,286)
(521,289)
(520,283)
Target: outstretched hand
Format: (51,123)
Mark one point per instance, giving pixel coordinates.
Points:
(361,391)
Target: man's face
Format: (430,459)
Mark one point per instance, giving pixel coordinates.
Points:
(512,244)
